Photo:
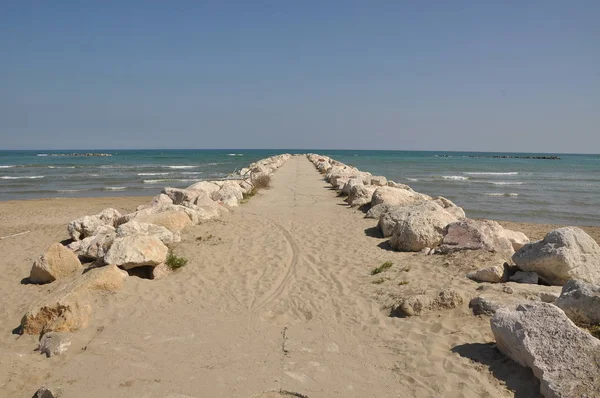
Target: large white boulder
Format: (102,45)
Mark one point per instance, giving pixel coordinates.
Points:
(88,225)
(563,357)
(135,228)
(470,234)
(230,194)
(136,251)
(581,302)
(207,187)
(360,195)
(396,196)
(449,206)
(97,246)
(565,253)
(56,263)
(421,226)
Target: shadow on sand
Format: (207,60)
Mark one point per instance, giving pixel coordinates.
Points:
(518,379)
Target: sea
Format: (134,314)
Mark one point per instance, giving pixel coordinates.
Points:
(498,186)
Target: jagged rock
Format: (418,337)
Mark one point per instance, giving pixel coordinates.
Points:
(181,196)
(136,251)
(484,306)
(517,239)
(161,200)
(175,221)
(450,207)
(133,228)
(56,263)
(230,194)
(581,302)
(207,187)
(396,196)
(109,279)
(97,246)
(88,225)
(565,253)
(62,311)
(563,357)
(470,234)
(379,181)
(160,271)
(54,344)
(525,277)
(422,304)
(147,214)
(398,185)
(350,183)
(421,226)
(495,274)
(360,195)
(378,210)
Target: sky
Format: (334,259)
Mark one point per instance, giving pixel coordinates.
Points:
(519,76)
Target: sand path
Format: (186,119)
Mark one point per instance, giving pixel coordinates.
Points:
(277,296)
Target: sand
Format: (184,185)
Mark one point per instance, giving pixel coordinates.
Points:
(277,296)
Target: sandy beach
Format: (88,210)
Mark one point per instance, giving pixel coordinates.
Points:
(277,298)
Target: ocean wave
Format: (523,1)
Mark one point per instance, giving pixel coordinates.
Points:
(235,154)
(153,174)
(413,179)
(506,194)
(7,167)
(42,154)
(114,188)
(61,167)
(191,172)
(71,190)
(170,180)
(21,177)
(455,178)
(485,173)
(505,182)
(180,167)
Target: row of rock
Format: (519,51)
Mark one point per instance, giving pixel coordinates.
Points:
(117,243)
(535,326)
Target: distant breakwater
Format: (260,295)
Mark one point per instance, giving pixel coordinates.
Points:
(74,154)
(505,157)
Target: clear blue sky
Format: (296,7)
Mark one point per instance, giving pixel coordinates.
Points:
(440,75)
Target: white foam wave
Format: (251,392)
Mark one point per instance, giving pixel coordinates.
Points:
(507,194)
(191,172)
(153,181)
(6,167)
(114,188)
(21,177)
(61,167)
(455,178)
(70,190)
(485,173)
(42,154)
(152,174)
(413,179)
(180,167)
(170,180)
(235,154)
(505,182)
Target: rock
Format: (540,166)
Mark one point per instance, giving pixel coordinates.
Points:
(87,226)
(470,234)
(563,357)
(109,279)
(146,229)
(175,221)
(565,253)
(54,344)
(57,262)
(160,271)
(136,251)
(95,247)
(449,206)
(548,297)
(396,196)
(379,181)
(378,210)
(581,302)
(230,194)
(517,239)
(398,185)
(483,306)
(62,311)
(495,274)
(395,214)
(208,209)
(146,214)
(422,226)
(422,304)
(350,183)
(44,393)
(181,196)
(525,277)
(207,187)
(161,200)
(360,195)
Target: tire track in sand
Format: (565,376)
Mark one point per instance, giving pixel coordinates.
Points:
(289,270)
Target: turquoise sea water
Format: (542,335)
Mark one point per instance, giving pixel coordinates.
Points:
(564,191)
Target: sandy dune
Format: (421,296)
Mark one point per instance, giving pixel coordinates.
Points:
(276,296)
